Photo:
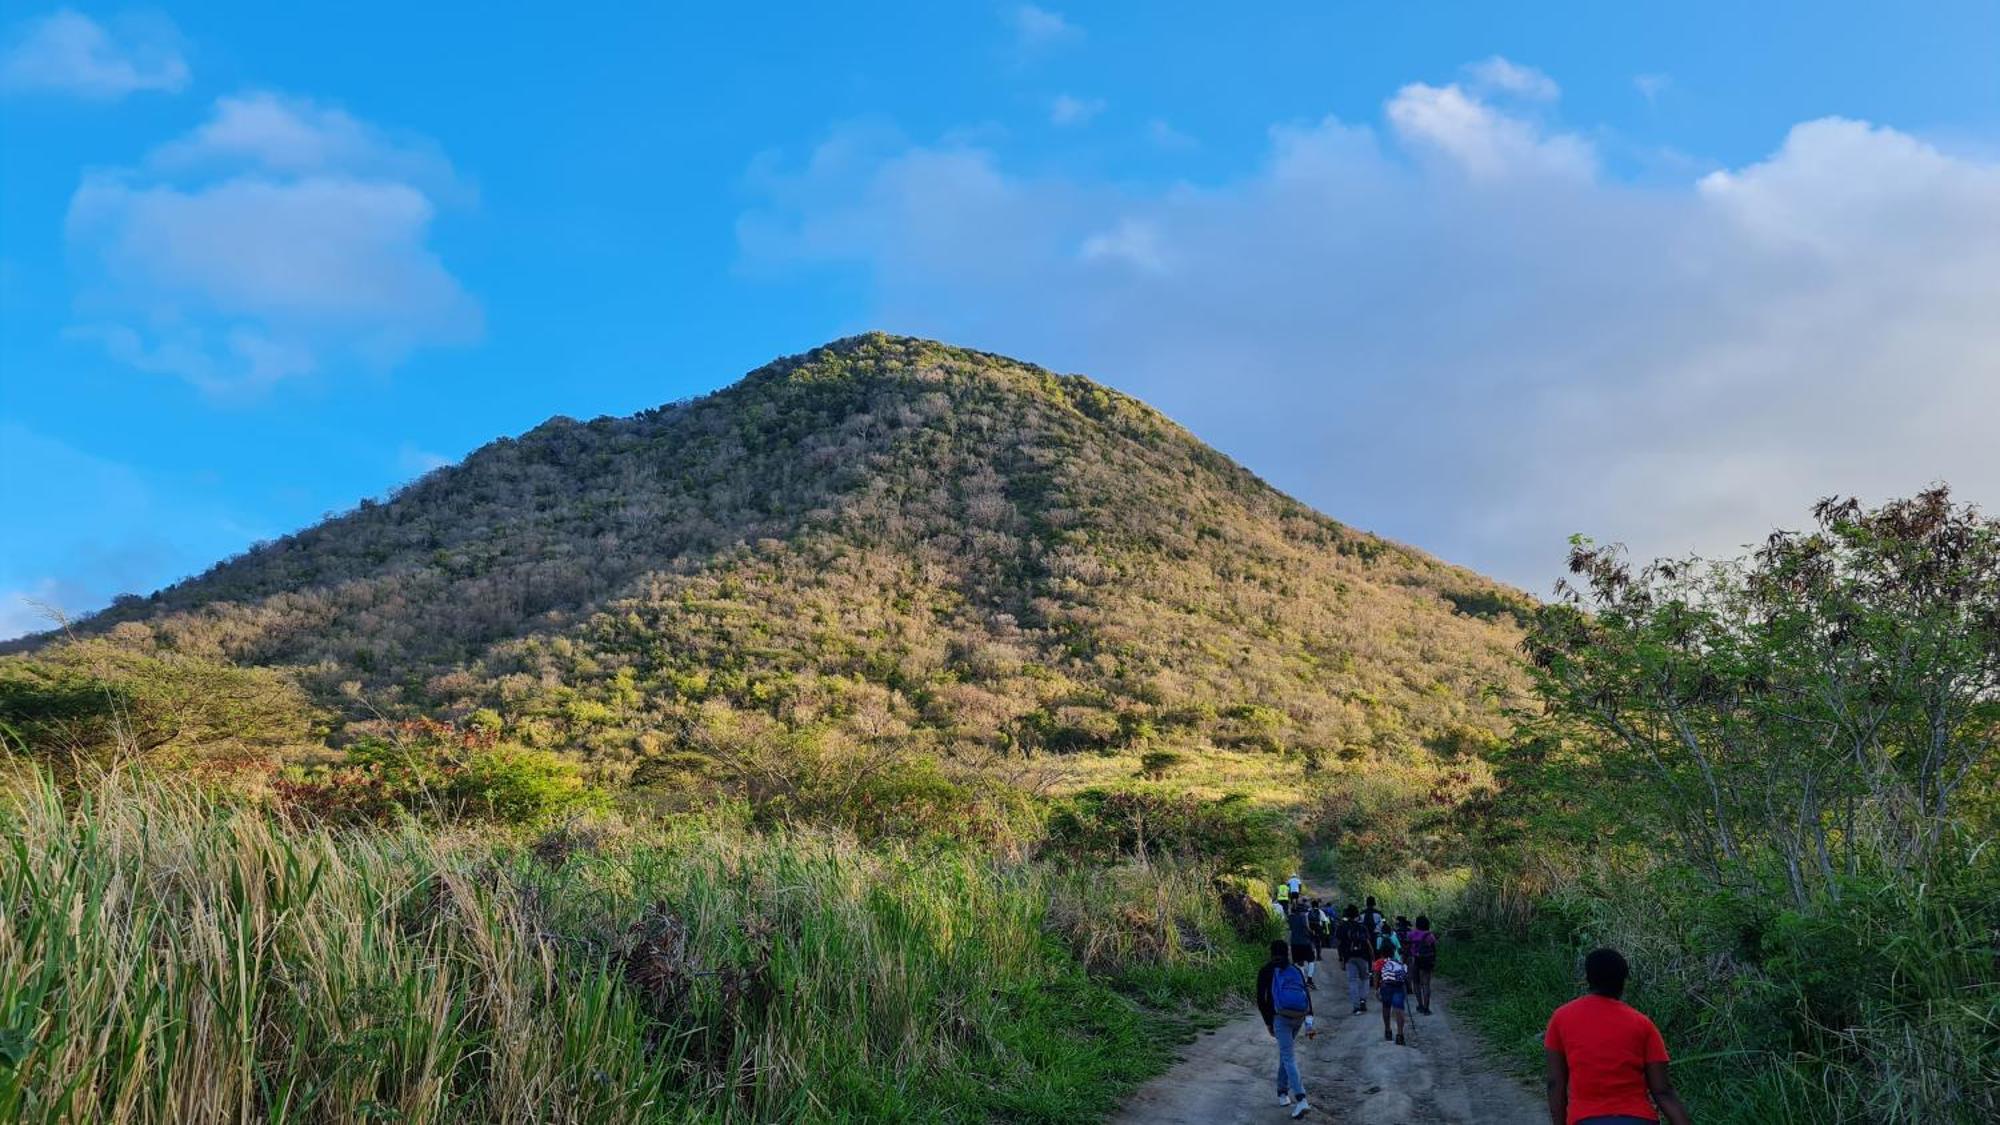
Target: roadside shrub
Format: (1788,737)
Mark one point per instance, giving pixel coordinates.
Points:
(917,801)
(437,772)
(1106,825)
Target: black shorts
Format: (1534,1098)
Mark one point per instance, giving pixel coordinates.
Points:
(1427,964)
(1303,953)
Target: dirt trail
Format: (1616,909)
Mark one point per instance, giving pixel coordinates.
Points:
(1351,1073)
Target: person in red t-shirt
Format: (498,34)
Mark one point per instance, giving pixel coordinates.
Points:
(1607,1062)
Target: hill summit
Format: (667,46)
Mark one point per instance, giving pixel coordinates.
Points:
(886,539)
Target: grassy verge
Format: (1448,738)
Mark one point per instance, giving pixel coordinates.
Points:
(167,957)
(1920,1043)
(1508,989)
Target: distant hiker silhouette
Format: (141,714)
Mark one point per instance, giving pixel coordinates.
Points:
(1305,954)
(1423,960)
(1355,949)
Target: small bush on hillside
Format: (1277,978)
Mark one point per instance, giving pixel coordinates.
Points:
(435,771)
(94,704)
(917,801)
(1105,825)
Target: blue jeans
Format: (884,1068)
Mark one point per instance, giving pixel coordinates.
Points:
(1287,1028)
(1357,981)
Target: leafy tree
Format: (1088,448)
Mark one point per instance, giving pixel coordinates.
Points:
(1825,706)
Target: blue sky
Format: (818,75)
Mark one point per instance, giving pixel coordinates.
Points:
(1471,275)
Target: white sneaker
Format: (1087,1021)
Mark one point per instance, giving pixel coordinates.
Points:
(1300,1109)
(1284,1099)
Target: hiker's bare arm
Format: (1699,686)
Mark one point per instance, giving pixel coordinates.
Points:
(1558,1066)
(1662,1089)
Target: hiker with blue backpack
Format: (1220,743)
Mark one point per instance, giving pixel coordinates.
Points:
(1286,1004)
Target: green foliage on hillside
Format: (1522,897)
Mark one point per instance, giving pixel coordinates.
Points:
(435,772)
(887,544)
(93,705)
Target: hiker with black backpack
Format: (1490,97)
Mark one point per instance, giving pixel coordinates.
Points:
(1287,1007)
(1423,955)
(1322,928)
(1305,954)
(1355,950)
(1372,917)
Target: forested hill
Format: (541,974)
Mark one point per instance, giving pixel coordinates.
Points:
(884,537)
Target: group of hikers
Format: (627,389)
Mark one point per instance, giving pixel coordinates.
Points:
(1606,1062)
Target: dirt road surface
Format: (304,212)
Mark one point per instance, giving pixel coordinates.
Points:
(1351,1074)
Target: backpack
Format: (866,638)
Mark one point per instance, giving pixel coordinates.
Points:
(1288,991)
(1353,939)
(1423,943)
(1394,971)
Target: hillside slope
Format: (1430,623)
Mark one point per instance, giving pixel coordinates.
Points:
(884,539)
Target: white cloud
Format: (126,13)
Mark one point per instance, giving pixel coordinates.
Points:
(1497,75)
(1069,110)
(288,136)
(1036,28)
(1459,332)
(67,52)
(1481,140)
(278,239)
(1651,86)
(1133,242)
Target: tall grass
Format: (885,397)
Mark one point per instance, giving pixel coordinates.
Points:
(169,957)
(1882,1008)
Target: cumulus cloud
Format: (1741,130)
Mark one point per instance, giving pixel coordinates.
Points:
(1067,109)
(1037,28)
(1483,141)
(67,52)
(1455,328)
(1497,75)
(279,238)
